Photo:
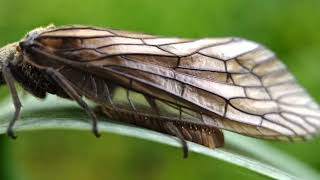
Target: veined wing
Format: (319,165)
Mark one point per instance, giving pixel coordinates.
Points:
(230,83)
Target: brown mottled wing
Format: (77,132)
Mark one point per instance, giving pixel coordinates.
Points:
(229,83)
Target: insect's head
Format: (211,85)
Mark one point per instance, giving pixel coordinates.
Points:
(13,51)
(7,54)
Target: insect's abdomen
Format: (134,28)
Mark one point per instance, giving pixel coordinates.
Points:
(144,103)
(204,135)
(125,105)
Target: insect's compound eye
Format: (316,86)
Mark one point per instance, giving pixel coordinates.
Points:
(25,45)
(22,45)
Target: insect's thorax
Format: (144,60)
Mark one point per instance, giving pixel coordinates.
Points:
(34,80)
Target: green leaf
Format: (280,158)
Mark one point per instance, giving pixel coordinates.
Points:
(248,153)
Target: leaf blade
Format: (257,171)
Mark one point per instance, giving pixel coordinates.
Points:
(54,113)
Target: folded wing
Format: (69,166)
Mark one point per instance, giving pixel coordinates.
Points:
(229,83)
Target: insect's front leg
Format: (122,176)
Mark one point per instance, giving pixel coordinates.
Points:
(8,54)
(16,101)
(2,82)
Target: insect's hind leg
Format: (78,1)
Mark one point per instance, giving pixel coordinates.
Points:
(174,130)
(210,137)
(63,83)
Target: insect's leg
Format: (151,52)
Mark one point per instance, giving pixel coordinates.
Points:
(60,79)
(16,101)
(2,82)
(153,104)
(175,131)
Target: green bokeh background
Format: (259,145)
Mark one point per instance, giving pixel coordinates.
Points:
(288,27)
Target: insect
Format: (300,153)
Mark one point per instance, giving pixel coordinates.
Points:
(192,89)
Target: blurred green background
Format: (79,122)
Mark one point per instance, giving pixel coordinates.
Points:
(289,27)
